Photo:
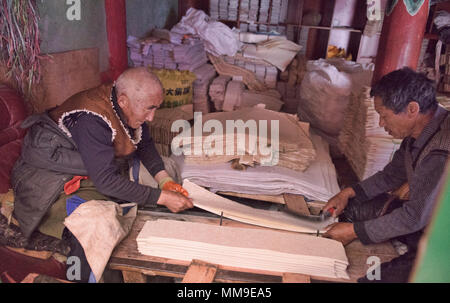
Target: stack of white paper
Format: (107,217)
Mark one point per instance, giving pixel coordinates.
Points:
(233,9)
(253,12)
(275,13)
(367,146)
(259,249)
(244,10)
(217,91)
(214,9)
(223,9)
(204,74)
(318,182)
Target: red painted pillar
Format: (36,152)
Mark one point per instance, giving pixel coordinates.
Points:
(116,30)
(401,36)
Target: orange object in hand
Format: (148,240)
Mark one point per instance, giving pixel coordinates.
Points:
(172,186)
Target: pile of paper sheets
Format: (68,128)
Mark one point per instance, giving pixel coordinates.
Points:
(214,9)
(264,71)
(259,249)
(252,135)
(244,10)
(233,9)
(223,9)
(367,147)
(160,53)
(204,74)
(290,94)
(277,219)
(217,91)
(318,182)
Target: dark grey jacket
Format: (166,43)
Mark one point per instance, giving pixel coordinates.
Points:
(48,160)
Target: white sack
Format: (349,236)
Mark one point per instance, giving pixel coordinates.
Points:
(218,38)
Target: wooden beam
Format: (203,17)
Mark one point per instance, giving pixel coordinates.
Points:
(133,277)
(296,204)
(200,272)
(43,255)
(295,278)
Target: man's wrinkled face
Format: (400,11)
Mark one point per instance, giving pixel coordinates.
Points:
(139,111)
(398,125)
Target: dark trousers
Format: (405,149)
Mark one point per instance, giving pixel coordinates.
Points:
(398,269)
(76,250)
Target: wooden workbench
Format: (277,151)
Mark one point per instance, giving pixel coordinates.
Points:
(135,266)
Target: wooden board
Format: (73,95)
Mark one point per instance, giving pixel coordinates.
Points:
(126,256)
(200,272)
(296,204)
(274,199)
(65,74)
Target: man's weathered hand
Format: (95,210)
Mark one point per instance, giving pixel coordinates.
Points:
(174,201)
(341,231)
(172,186)
(339,201)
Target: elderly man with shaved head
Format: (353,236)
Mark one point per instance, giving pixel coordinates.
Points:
(83,148)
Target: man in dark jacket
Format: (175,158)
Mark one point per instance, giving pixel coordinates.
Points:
(408,110)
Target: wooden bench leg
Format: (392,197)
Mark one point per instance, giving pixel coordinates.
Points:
(295,278)
(133,277)
(200,272)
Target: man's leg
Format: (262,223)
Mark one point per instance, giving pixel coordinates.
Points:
(357,211)
(398,269)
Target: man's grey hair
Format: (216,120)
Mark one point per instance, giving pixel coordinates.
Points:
(136,83)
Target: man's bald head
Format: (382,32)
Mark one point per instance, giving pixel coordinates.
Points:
(139,94)
(137,83)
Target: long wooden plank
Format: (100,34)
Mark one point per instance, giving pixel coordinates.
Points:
(274,199)
(200,272)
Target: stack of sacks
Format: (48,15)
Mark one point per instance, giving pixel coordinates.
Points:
(135,51)
(214,9)
(270,138)
(367,146)
(275,12)
(204,74)
(263,14)
(244,10)
(233,9)
(190,55)
(217,91)
(317,183)
(264,72)
(160,53)
(284,11)
(253,15)
(223,9)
